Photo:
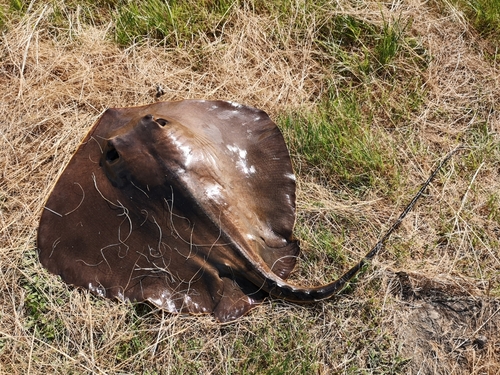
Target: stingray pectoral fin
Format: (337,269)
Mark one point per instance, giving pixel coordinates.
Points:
(282,260)
(234,302)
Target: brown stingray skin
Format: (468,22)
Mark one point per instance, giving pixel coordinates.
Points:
(189,205)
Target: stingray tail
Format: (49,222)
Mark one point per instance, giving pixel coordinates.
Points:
(291,293)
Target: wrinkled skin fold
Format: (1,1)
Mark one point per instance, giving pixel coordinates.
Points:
(189,205)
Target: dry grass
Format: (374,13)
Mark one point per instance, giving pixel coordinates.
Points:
(429,304)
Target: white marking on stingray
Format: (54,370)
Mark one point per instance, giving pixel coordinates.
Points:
(232,148)
(213,107)
(226,115)
(97,289)
(251,170)
(291,176)
(241,163)
(213,192)
(188,301)
(164,301)
(121,296)
(187,152)
(234,104)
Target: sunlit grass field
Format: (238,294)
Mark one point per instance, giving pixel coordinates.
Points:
(370,96)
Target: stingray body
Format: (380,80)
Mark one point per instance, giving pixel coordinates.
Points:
(189,205)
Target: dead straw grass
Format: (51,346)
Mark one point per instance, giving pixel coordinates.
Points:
(428,305)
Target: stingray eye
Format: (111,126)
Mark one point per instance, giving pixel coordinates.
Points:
(162,121)
(111,154)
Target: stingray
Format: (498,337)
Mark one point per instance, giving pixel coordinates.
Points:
(189,205)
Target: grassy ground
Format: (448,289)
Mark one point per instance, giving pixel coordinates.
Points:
(369,95)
